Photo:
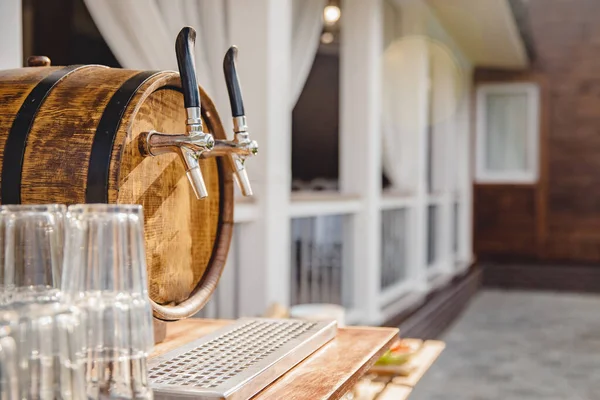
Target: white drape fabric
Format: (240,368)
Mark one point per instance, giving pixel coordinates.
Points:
(446,82)
(421,92)
(307,25)
(141,34)
(404,104)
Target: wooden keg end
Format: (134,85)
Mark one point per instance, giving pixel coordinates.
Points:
(38,61)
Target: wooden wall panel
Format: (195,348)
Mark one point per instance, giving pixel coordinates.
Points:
(566,211)
(527,276)
(505,223)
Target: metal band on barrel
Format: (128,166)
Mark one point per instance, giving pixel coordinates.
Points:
(16,142)
(97,178)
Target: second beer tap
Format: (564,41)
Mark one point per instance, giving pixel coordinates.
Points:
(241,147)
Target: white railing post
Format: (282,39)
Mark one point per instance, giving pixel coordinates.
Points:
(227,292)
(360,143)
(446,223)
(11,44)
(466,179)
(262,31)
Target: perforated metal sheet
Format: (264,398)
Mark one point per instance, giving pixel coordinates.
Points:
(237,361)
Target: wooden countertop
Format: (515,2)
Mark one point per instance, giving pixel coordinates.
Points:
(326,374)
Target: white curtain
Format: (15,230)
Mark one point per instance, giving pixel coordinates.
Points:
(422,85)
(307,24)
(446,85)
(405,80)
(141,34)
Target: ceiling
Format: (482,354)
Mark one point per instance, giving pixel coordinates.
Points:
(486,30)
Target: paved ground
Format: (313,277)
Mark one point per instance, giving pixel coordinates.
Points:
(520,346)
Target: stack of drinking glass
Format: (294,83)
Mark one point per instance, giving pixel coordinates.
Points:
(75,317)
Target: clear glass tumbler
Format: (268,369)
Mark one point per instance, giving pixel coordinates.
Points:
(31,243)
(105,274)
(41,352)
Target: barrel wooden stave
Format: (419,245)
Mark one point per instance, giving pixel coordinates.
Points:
(61,136)
(15,85)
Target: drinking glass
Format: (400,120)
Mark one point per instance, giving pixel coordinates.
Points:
(105,275)
(31,243)
(41,352)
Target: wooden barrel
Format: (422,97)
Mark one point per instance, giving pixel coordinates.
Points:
(72,135)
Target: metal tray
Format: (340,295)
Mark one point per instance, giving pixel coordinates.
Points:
(237,361)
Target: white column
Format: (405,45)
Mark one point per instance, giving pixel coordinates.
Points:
(414,32)
(446,119)
(419,266)
(360,142)
(262,31)
(11,34)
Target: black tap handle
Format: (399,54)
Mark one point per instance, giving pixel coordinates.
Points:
(184,48)
(233,84)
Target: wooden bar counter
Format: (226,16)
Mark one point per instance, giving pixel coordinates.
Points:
(326,374)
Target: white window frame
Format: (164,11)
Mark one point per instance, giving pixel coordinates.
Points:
(484,175)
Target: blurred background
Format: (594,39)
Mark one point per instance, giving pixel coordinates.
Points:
(412,152)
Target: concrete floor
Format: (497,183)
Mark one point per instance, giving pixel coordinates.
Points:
(520,346)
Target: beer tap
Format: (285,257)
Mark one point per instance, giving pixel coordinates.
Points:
(241,147)
(195,143)
(191,145)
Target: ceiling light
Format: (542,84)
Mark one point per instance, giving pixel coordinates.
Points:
(332,14)
(327,37)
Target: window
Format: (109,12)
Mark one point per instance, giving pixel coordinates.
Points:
(507,133)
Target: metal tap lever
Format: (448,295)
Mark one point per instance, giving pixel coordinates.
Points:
(197,142)
(184,49)
(242,145)
(233,83)
(190,145)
